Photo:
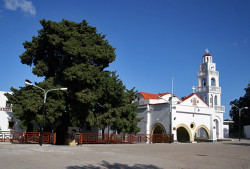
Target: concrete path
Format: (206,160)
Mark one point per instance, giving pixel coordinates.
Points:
(219,155)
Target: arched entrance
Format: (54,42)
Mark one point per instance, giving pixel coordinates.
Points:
(201,133)
(157,131)
(182,134)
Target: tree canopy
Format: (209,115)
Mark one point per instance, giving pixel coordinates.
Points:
(74,55)
(243,101)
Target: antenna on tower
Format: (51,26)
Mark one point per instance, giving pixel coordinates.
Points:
(172,85)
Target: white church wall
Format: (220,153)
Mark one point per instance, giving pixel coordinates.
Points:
(4,122)
(198,120)
(220,130)
(142,113)
(198,103)
(3,99)
(160,114)
(155,102)
(165,97)
(6,115)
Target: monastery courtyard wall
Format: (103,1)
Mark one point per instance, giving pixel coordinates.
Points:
(223,155)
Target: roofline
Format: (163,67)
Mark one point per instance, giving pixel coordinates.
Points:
(144,94)
(196,95)
(152,104)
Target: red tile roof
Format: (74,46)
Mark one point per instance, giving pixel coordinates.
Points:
(148,96)
(207,54)
(189,96)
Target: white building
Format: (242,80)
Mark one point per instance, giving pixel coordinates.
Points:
(197,116)
(8,122)
(247,131)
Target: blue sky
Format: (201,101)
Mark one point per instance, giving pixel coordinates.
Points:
(155,40)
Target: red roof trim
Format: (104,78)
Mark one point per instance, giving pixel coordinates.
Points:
(207,54)
(148,96)
(189,96)
(196,95)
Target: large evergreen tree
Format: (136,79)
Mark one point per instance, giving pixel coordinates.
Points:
(245,114)
(74,55)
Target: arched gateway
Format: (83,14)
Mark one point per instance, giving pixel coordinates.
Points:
(183,133)
(201,133)
(157,131)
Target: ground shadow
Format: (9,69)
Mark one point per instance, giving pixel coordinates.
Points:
(239,144)
(108,165)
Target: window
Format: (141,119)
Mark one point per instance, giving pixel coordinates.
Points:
(11,125)
(212,82)
(211,101)
(204,82)
(215,101)
(192,125)
(8,104)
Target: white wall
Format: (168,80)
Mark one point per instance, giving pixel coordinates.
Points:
(142,112)
(7,115)
(247,131)
(183,114)
(160,114)
(226,130)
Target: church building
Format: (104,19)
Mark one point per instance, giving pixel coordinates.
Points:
(8,122)
(198,116)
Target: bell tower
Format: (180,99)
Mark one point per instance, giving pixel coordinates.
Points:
(208,82)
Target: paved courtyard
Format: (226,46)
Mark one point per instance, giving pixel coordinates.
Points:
(219,155)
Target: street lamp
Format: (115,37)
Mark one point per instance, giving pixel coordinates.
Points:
(240,109)
(44,105)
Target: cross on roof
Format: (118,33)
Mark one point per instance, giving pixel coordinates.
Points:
(193,89)
(207,50)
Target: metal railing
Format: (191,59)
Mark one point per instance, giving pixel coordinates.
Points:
(210,72)
(88,138)
(27,137)
(209,89)
(220,108)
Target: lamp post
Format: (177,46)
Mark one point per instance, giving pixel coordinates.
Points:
(44,105)
(170,124)
(240,109)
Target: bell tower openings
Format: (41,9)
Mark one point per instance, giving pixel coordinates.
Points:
(208,81)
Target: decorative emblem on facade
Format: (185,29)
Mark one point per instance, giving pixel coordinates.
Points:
(194,101)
